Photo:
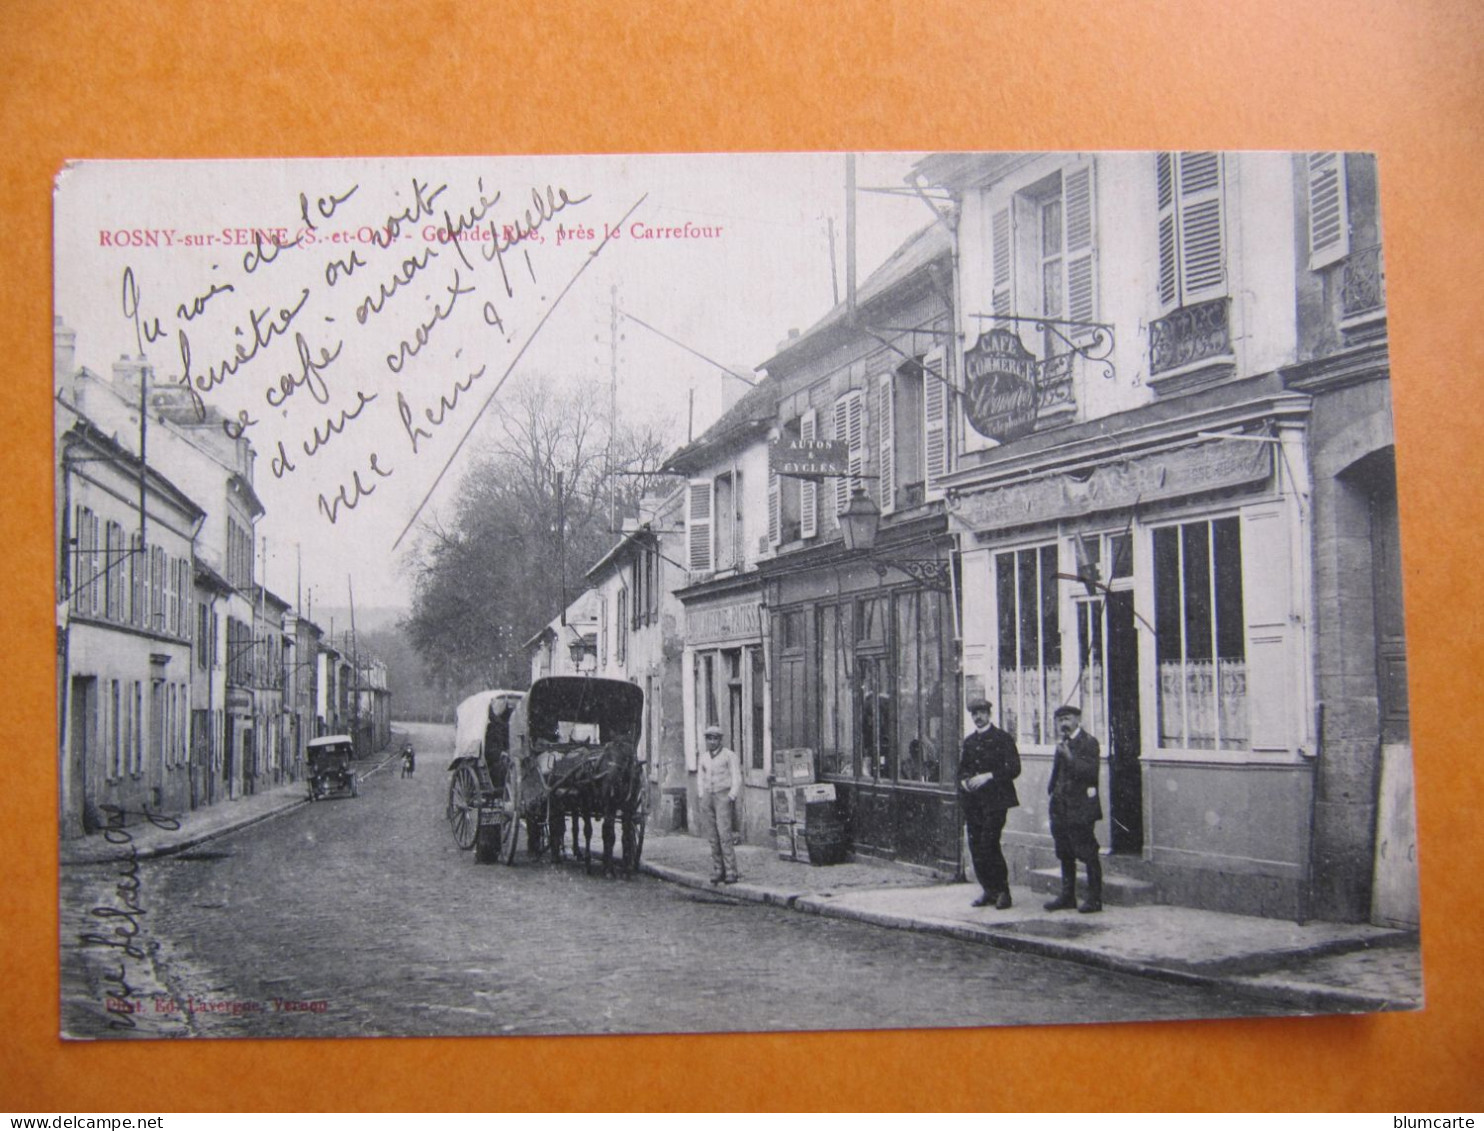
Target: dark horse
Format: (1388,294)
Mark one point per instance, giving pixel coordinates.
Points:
(604,784)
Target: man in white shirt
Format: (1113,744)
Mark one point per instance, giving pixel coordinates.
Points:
(718,784)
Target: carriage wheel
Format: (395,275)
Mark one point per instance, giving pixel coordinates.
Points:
(638,819)
(463,815)
(510,811)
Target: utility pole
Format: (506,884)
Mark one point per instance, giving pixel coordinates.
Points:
(612,406)
(355,665)
(562,544)
(850,239)
(834,271)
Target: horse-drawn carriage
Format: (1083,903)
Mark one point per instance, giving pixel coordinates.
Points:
(567,749)
(330,771)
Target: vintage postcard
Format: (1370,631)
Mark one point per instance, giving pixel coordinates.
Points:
(694,593)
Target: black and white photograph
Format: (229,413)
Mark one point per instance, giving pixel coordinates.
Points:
(709,593)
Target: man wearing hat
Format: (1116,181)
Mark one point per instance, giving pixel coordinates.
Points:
(1075,808)
(987,770)
(718,782)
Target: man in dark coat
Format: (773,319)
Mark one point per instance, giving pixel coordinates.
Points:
(987,770)
(1075,808)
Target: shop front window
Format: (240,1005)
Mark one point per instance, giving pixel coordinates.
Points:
(878,752)
(921,693)
(837,730)
(1091,665)
(1030,642)
(1199,639)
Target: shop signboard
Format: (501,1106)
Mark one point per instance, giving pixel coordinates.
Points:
(808,459)
(1001,398)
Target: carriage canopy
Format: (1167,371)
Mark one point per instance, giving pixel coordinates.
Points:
(570,709)
(474,714)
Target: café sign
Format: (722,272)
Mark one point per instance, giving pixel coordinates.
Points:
(1001,397)
(808,459)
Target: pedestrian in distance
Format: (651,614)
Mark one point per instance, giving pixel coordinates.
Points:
(987,769)
(409,761)
(1075,808)
(718,784)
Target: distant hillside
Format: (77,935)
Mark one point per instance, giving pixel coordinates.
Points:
(372,618)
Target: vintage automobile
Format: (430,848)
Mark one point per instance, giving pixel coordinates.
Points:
(571,749)
(330,770)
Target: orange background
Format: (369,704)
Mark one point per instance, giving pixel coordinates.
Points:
(266,79)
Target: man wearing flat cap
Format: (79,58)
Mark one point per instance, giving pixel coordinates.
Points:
(718,782)
(1075,808)
(987,769)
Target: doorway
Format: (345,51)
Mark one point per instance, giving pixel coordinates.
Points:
(82,727)
(1125,772)
(1108,655)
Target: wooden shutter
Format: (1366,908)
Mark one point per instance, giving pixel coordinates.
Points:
(1001,266)
(1202,250)
(775,506)
(887,442)
(936,421)
(850,426)
(1079,208)
(1266,605)
(808,488)
(1192,227)
(698,525)
(1164,191)
(1329,219)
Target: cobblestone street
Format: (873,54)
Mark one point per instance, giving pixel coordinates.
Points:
(361,917)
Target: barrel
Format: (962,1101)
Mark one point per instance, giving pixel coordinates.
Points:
(825,831)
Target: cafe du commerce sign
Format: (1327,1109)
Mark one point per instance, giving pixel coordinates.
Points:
(809,459)
(1000,391)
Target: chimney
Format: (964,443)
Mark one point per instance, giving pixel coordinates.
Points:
(65,342)
(126,371)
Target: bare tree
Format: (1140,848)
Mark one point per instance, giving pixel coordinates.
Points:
(488,579)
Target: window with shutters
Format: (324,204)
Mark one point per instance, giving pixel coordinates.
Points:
(699,525)
(84,551)
(621,627)
(730,535)
(850,427)
(138,569)
(901,409)
(1329,215)
(1200,635)
(785,494)
(114,565)
(1041,251)
(1191,255)
(809,488)
(937,424)
(1192,247)
(1002,267)
(156,589)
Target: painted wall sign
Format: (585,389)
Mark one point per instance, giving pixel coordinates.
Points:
(1126,483)
(809,459)
(723,623)
(1001,396)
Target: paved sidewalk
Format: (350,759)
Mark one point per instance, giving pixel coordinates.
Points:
(177,832)
(1318,967)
